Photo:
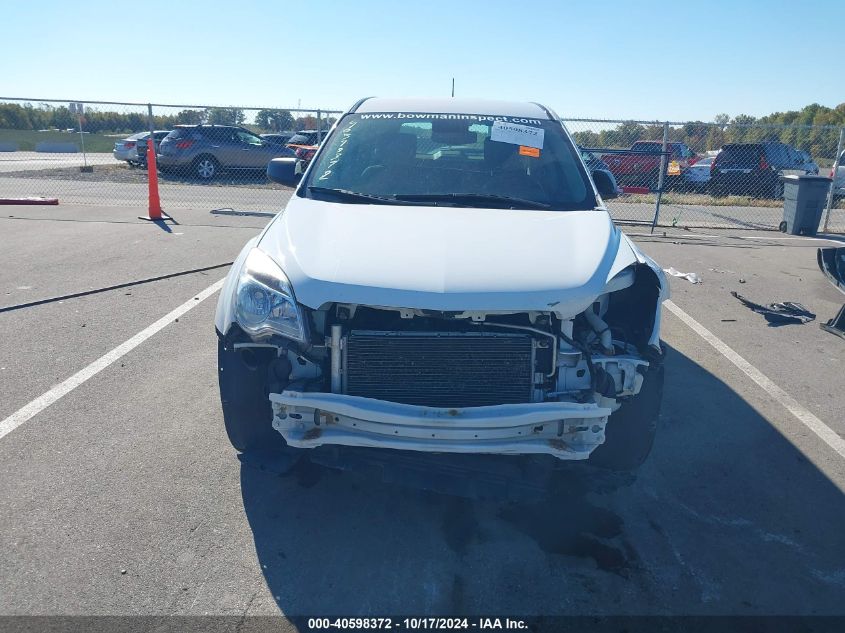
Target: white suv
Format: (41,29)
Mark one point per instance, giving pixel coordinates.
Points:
(444,279)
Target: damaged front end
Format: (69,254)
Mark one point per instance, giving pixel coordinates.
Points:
(472,382)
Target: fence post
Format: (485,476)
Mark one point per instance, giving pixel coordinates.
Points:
(319,128)
(661,176)
(833,180)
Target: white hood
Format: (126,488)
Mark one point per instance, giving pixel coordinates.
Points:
(446,258)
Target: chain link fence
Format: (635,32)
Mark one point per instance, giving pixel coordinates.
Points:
(96,153)
(718,175)
(675,174)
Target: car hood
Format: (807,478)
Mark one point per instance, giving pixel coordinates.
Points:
(446,258)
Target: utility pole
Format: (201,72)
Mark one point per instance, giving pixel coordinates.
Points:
(453,86)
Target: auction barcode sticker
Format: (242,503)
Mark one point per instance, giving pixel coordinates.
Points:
(517,134)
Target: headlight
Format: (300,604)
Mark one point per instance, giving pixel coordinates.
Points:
(264,301)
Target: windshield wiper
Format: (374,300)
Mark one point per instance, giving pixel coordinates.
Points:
(468,198)
(353,195)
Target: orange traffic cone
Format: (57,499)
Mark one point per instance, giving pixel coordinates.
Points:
(155,212)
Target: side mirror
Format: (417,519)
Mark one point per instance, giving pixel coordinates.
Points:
(285,171)
(605,184)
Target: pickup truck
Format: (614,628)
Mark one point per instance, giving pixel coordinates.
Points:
(641,169)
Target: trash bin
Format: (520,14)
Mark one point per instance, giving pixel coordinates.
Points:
(804,200)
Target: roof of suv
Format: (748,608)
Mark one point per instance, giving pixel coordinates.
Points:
(209,125)
(454,106)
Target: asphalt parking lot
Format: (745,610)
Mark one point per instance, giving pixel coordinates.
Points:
(124,496)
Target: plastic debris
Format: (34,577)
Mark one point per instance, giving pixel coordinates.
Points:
(784,313)
(693,278)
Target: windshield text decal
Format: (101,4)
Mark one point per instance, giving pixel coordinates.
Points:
(481,118)
(345,133)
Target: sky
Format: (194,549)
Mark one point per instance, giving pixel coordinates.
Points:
(688,60)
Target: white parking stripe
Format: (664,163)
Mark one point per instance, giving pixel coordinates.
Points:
(822,430)
(46,399)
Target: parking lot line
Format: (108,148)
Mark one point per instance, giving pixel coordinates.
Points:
(43,401)
(822,430)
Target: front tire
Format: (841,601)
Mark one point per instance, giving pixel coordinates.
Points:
(630,431)
(243,376)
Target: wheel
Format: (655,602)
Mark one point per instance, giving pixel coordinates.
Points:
(630,431)
(782,227)
(243,376)
(777,189)
(205,167)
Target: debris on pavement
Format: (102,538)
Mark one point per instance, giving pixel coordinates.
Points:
(784,313)
(693,278)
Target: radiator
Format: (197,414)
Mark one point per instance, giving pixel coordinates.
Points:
(439,369)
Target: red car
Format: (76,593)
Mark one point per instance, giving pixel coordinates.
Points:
(305,143)
(643,168)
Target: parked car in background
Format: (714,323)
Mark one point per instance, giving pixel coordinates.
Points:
(126,149)
(641,168)
(754,169)
(809,164)
(306,143)
(306,138)
(279,138)
(143,149)
(203,151)
(697,175)
(133,149)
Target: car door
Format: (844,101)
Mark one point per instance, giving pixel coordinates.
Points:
(233,149)
(254,152)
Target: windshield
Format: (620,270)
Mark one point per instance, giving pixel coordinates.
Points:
(454,160)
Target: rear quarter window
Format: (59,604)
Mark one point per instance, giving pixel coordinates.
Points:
(180,132)
(778,154)
(740,154)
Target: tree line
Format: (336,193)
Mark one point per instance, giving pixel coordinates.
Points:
(44,116)
(821,142)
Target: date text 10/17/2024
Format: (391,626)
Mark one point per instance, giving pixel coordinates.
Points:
(416,624)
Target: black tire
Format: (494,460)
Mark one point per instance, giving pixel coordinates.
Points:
(205,167)
(630,431)
(777,190)
(247,414)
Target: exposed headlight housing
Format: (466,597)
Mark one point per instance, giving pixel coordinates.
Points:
(264,301)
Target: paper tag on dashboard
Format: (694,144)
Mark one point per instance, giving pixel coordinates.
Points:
(517,134)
